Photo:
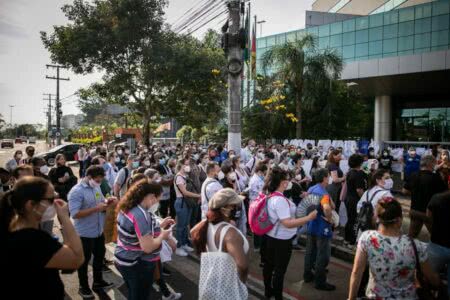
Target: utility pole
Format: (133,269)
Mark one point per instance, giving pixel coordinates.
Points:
(49,116)
(10,114)
(235,66)
(58,103)
(249,64)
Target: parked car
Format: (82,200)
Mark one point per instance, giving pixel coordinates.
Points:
(32,140)
(18,140)
(69,151)
(24,138)
(7,143)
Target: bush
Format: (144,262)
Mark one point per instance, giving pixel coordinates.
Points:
(87,141)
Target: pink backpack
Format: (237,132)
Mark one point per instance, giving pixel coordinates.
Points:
(258,214)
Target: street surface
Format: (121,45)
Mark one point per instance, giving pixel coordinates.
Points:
(185,270)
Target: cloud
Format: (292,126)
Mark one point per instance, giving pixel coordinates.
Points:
(11,30)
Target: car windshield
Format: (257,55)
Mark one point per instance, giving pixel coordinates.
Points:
(57,148)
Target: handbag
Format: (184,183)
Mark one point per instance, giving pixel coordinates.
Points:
(219,277)
(423,288)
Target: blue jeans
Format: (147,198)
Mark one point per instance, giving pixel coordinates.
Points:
(317,256)
(138,279)
(183,219)
(439,256)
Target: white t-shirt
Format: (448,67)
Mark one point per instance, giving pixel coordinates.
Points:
(179,180)
(380,193)
(209,187)
(281,208)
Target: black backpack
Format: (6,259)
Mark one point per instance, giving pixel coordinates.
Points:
(365,215)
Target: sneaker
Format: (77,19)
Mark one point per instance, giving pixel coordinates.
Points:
(172,296)
(187,248)
(166,272)
(106,269)
(86,293)
(181,252)
(102,285)
(325,287)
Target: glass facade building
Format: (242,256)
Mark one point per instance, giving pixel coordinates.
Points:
(393,32)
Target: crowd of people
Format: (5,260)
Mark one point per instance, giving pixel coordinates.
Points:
(163,200)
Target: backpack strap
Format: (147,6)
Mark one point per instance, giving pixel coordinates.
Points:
(373,196)
(277,225)
(176,185)
(126,177)
(206,187)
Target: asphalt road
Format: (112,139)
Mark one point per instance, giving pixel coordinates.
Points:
(7,153)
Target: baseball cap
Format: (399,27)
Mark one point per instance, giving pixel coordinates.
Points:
(224,197)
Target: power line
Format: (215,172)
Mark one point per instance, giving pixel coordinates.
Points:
(183,16)
(207,9)
(192,14)
(209,21)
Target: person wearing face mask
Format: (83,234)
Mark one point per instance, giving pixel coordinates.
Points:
(22,209)
(14,162)
(40,168)
(210,186)
(111,168)
(392,258)
(184,204)
(422,186)
(255,186)
(411,163)
(443,166)
(278,244)
(62,177)
(167,185)
(140,237)
(356,186)
(242,177)
(337,176)
(247,152)
(218,234)
(120,184)
(319,233)
(5,181)
(385,160)
(120,160)
(87,207)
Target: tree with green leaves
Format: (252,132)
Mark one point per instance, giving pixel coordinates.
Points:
(301,66)
(148,68)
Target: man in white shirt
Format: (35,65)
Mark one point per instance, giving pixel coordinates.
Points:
(210,186)
(247,152)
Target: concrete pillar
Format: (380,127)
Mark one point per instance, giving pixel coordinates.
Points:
(383,119)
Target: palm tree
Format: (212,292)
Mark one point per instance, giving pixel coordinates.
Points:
(300,65)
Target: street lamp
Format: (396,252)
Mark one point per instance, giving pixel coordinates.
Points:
(260,26)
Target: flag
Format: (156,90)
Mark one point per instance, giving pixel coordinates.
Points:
(247,37)
(253,68)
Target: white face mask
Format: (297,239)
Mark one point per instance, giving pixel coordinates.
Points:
(298,177)
(187,169)
(49,213)
(44,169)
(289,186)
(93,183)
(19,156)
(232,176)
(147,163)
(119,152)
(260,155)
(154,208)
(388,184)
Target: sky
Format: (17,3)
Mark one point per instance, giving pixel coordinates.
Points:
(23,56)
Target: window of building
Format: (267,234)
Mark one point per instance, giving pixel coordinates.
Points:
(440,7)
(336,40)
(362,23)
(376,20)
(390,31)
(375,48)
(422,40)
(390,45)
(336,28)
(261,43)
(406,28)
(324,30)
(406,14)
(324,42)
(439,38)
(405,43)
(362,49)
(422,25)
(362,36)
(348,25)
(423,11)
(270,41)
(375,34)
(348,38)
(440,23)
(348,52)
(391,17)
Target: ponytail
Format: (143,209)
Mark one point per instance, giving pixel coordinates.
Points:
(200,232)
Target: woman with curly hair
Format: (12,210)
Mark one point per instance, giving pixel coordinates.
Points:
(140,237)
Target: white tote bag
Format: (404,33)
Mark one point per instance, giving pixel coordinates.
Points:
(219,278)
(343,218)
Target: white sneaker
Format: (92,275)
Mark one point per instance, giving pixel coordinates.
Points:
(172,296)
(181,252)
(187,248)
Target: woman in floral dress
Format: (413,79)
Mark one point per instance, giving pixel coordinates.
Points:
(391,258)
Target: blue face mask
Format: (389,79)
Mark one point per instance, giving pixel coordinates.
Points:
(135,164)
(162,161)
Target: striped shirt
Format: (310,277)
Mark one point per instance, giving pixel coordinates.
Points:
(132,225)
